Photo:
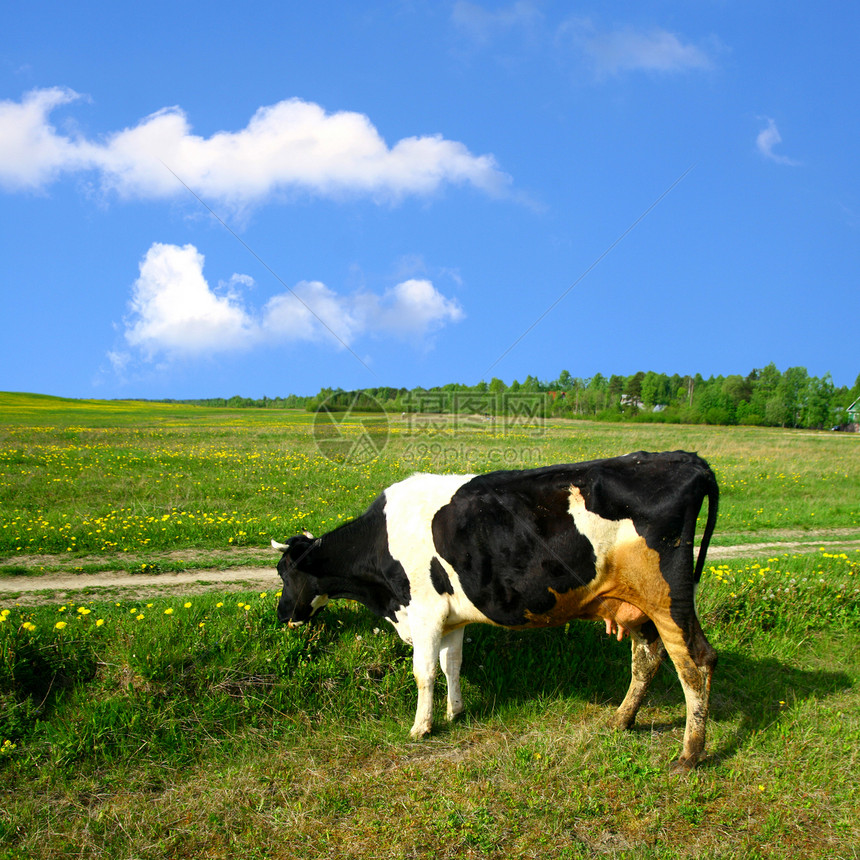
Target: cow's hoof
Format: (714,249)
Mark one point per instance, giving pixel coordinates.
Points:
(683,765)
(418,732)
(621,722)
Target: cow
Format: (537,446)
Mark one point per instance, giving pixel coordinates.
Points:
(609,539)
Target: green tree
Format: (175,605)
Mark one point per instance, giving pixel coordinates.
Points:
(616,386)
(633,386)
(564,382)
(785,404)
(818,409)
(655,389)
(737,388)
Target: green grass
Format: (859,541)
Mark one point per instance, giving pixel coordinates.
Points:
(210,731)
(83,478)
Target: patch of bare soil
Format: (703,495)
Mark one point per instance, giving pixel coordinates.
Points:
(793,541)
(60,587)
(200,558)
(717,553)
(57,578)
(59,583)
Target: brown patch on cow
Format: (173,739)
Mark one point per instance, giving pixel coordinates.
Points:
(629,589)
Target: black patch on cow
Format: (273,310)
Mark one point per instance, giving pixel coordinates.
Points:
(354,562)
(439,577)
(512,540)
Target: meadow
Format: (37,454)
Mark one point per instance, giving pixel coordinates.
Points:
(194,726)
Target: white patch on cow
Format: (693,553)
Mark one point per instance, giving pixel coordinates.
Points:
(604,535)
(410,506)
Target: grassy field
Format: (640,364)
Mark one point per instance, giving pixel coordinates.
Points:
(193,726)
(81,479)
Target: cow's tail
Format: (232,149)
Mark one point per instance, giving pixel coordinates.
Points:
(712,491)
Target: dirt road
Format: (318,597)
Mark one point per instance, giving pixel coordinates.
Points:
(55,587)
(64,585)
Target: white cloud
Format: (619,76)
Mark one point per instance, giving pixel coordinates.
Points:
(481,24)
(293,145)
(311,311)
(414,307)
(607,52)
(628,49)
(174,313)
(655,50)
(767,139)
(32,154)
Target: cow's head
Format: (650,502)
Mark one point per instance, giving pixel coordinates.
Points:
(300,597)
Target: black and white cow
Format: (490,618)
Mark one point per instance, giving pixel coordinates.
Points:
(606,539)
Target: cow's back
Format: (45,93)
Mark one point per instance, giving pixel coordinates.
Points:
(541,546)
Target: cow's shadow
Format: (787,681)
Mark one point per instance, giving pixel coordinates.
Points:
(580,662)
(583,663)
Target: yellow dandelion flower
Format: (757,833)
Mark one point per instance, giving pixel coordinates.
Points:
(218,605)
(187,605)
(168,611)
(60,625)
(140,617)
(100,622)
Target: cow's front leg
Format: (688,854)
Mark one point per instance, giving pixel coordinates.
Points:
(451,659)
(425,657)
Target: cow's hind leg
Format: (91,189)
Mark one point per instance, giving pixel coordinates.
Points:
(694,659)
(451,659)
(647,654)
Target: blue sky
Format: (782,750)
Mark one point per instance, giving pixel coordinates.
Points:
(203,199)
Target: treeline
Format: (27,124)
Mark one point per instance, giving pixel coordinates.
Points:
(766,396)
(292,401)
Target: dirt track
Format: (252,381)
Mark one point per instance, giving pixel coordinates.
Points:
(51,587)
(59,586)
